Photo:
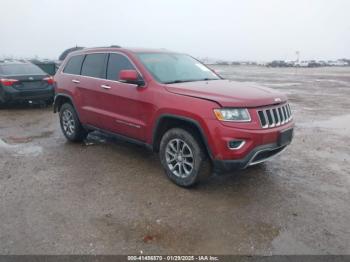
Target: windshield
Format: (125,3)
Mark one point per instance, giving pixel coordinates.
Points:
(176,68)
(20,69)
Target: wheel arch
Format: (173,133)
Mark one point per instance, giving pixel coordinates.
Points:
(60,99)
(167,121)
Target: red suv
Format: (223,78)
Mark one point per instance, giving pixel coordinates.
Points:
(174,105)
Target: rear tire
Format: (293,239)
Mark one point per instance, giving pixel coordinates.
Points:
(183,157)
(70,124)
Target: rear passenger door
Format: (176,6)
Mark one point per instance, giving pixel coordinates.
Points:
(69,81)
(93,73)
(122,102)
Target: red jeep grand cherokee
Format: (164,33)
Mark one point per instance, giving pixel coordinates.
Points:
(174,105)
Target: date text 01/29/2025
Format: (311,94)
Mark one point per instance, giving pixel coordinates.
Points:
(173,258)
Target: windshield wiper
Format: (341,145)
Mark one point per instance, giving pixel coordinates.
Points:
(209,79)
(192,80)
(178,81)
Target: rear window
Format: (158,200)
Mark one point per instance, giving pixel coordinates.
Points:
(94,65)
(74,65)
(20,69)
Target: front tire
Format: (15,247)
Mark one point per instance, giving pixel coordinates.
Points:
(70,124)
(183,157)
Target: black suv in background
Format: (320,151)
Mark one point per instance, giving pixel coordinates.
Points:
(22,81)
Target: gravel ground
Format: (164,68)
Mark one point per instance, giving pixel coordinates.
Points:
(109,197)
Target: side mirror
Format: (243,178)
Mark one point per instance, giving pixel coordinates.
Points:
(130,77)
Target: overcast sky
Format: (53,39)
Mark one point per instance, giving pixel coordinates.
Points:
(226,29)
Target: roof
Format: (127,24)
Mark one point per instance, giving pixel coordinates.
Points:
(132,50)
(149,50)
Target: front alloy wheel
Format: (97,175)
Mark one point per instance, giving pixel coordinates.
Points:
(183,157)
(179,157)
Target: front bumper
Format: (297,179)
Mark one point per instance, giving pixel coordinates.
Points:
(9,94)
(259,145)
(256,156)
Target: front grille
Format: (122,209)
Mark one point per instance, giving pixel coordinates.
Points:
(275,116)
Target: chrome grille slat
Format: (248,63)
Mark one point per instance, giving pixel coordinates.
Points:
(275,113)
(269,117)
(281,115)
(284,113)
(287,112)
(267,121)
(275,116)
(290,111)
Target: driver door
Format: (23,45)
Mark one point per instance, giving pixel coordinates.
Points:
(122,102)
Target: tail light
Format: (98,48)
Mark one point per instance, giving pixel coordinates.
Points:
(7,82)
(49,80)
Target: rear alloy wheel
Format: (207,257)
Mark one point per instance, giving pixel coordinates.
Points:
(70,124)
(183,157)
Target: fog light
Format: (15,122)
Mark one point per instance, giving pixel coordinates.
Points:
(236,144)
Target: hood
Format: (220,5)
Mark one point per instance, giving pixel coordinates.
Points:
(229,93)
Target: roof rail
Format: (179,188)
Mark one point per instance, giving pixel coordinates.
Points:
(115,46)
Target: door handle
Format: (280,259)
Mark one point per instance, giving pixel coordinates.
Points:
(105,86)
(76,81)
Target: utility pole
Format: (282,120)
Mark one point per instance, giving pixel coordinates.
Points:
(298,55)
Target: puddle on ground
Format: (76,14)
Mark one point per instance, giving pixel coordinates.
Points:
(338,124)
(21,150)
(30,151)
(346,83)
(281,84)
(13,140)
(287,244)
(3,144)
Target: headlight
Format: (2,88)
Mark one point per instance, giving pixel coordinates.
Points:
(232,114)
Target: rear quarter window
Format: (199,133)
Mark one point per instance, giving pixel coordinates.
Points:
(73,66)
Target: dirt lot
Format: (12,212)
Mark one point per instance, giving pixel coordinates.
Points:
(110,197)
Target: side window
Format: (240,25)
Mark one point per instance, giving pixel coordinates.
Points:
(74,65)
(94,66)
(116,63)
